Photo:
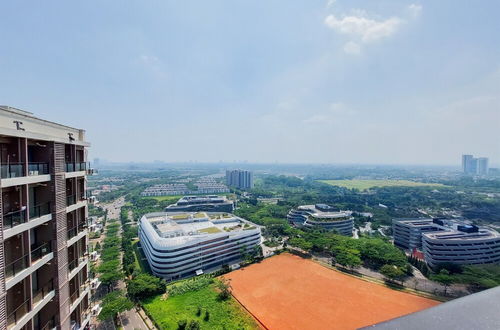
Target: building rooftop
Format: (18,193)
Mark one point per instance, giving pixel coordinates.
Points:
(175,228)
(323,211)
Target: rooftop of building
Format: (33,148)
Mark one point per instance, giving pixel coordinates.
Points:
(203,199)
(32,116)
(181,227)
(323,211)
(449,228)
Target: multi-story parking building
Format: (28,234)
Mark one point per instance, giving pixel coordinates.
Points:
(447,241)
(179,245)
(324,216)
(464,244)
(211,203)
(44,275)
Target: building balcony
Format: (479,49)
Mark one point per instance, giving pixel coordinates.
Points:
(16,317)
(39,210)
(42,292)
(77,296)
(76,233)
(76,166)
(18,269)
(16,222)
(12,170)
(38,169)
(14,174)
(49,325)
(14,218)
(75,266)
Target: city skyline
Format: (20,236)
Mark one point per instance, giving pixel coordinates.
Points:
(338,82)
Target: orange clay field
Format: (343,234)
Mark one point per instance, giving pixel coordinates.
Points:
(289,292)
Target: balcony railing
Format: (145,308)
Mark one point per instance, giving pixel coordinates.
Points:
(73,264)
(75,295)
(75,230)
(14,218)
(76,166)
(39,210)
(70,200)
(38,168)
(14,317)
(51,324)
(15,267)
(39,251)
(12,170)
(43,291)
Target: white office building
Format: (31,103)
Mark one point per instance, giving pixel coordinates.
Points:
(324,216)
(179,245)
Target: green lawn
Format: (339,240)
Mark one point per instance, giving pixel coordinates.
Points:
(140,259)
(367,184)
(170,199)
(223,314)
(210,230)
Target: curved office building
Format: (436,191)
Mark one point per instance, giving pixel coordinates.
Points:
(466,244)
(179,245)
(324,216)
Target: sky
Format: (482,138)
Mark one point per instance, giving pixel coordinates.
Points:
(378,82)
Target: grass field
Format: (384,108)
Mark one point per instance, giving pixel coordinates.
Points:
(367,184)
(289,292)
(223,314)
(171,199)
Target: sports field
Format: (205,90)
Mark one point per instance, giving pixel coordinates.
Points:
(367,184)
(288,292)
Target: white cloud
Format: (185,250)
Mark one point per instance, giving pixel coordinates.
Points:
(352,48)
(368,30)
(415,9)
(330,3)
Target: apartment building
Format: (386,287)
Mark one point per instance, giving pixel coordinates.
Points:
(179,245)
(44,266)
(324,216)
(240,179)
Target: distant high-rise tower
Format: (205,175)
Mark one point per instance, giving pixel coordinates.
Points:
(239,179)
(471,165)
(482,166)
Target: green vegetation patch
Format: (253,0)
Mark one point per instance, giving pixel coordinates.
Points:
(210,230)
(367,184)
(224,314)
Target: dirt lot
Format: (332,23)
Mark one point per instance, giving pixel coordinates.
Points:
(288,292)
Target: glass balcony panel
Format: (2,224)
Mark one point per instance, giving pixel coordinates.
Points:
(12,170)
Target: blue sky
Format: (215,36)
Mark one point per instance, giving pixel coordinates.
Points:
(390,81)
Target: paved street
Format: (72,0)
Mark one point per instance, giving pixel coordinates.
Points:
(131,320)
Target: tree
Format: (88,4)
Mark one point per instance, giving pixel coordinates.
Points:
(182,324)
(347,258)
(225,288)
(144,285)
(207,316)
(444,278)
(113,304)
(392,273)
(193,325)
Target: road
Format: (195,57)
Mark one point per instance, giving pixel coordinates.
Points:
(131,319)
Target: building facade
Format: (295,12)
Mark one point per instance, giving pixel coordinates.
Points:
(447,241)
(44,266)
(179,245)
(475,166)
(240,179)
(211,203)
(465,245)
(324,216)
(408,232)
